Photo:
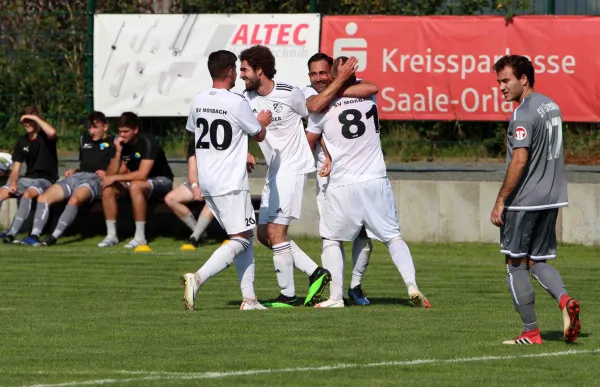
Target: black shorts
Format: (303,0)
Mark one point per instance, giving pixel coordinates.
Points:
(529,234)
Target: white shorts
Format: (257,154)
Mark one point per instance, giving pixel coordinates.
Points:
(322,183)
(281,200)
(347,208)
(233,211)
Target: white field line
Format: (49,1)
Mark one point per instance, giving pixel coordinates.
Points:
(152,376)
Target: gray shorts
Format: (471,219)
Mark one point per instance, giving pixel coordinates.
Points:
(187,185)
(160,186)
(529,234)
(81,179)
(24,183)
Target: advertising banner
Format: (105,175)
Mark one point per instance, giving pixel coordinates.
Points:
(441,67)
(154,64)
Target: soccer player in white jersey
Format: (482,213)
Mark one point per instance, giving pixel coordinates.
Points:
(289,160)
(359,192)
(222,121)
(320,92)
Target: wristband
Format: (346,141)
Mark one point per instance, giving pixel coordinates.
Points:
(194,185)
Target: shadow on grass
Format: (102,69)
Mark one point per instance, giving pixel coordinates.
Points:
(374,301)
(559,336)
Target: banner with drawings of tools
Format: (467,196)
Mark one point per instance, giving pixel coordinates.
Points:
(154,64)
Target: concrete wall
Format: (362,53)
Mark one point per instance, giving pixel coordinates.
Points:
(443,211)
(459,211)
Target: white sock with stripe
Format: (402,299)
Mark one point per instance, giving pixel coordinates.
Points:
(245,267)
(283,260)
(333,260)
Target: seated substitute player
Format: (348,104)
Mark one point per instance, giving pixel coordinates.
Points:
(37,149)
(359,192)
(139,168)
(320,92)
(222,121)
(527,205)
(289,160)
(79,185)
(187,193)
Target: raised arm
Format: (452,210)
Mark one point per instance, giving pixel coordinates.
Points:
(46,127)
(320,101)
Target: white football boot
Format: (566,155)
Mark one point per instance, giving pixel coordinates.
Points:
(417,298)
(190,288)
(252,305)
(330,304)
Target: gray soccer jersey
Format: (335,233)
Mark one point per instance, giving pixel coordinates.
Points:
(537,124)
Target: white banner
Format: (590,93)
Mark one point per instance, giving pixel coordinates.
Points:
(153,64)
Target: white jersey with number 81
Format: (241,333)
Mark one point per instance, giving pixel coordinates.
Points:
(350,127)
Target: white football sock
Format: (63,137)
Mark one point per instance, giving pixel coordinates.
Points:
(221,259)
(283,260)
(140,231)
(111,229)
(244,265)
(361,253)
(302,261)
(403,261)
(333,260)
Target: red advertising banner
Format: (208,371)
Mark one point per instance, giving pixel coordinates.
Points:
(441,67)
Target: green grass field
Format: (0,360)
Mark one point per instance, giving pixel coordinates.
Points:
(74,315)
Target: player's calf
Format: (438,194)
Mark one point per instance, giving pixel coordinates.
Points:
(333,262)
(220,260)
(404,263)
(110,209)
(262,234)
(22,213)
(176,200)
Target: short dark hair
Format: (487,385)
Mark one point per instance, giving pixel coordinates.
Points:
(260,56)
(219,63)
(334,70)
(320,56)
(30,110)
(128,119)
(97,116)
(520,65)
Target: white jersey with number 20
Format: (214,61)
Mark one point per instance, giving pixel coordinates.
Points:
(221,121)
(350,127)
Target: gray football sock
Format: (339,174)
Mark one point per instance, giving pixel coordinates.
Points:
(522,294)
(65,220)
(20,216)
(201,226)
(549,278)
(189,221)
(42,212)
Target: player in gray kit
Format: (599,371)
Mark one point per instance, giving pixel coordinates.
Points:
(80,186)
(37,149)
(527,205)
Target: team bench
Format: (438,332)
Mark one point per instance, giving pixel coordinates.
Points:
(160,221)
